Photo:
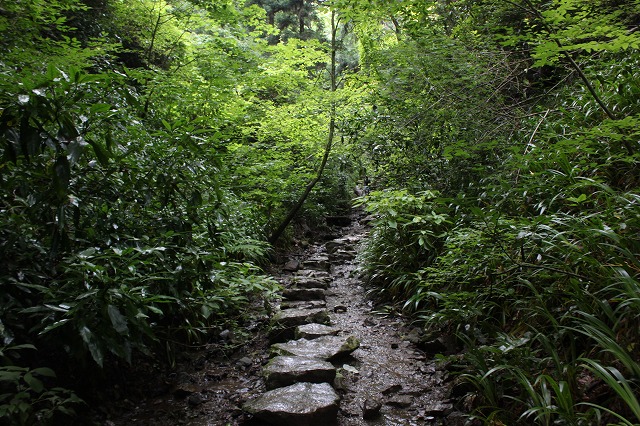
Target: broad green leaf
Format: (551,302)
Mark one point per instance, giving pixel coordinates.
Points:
(118,320)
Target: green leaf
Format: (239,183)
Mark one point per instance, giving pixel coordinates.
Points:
(44,371)
(35,384)
(118,320)
(92,345)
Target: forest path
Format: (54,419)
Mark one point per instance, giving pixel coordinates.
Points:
(388,380)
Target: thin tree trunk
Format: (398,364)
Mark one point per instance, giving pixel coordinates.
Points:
(327,149)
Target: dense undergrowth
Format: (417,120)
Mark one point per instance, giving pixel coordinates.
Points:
(148,147)
(518,234)
(140,173)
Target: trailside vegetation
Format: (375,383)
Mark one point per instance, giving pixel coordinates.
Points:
(504,148)
(150,149)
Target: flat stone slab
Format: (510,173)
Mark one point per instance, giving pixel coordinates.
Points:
(345,243)
(317,264)
(296,317)
(325,347)
(343,255)
(313,273)
(314,330)
(311,282)
(284,322)
(283,371)
(303,294)
(303,304)
(302,404)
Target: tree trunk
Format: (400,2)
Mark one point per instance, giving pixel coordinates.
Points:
(327,149)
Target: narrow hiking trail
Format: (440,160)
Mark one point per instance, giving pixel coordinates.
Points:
(328,359)
(385,380)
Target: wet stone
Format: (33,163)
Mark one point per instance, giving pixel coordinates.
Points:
(284,322)
(439,409)
(311,282)
(195,399)
(303,294)
(286,370)
(292,265)
(339,244)
(302,404)
(392,389)
(317,264)
(296,317)
(313,331)
(343,255)
(371,409)
(313,273)
(325,347)
(303,304)
(400,401)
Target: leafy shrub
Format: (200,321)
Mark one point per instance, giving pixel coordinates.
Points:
(25,399)
(408,234)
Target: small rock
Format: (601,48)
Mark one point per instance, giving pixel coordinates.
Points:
(292,266)
(414,336)
(339,308)
(185,389)
(401,401)
(371,409)
(226,334)
(439,409)
(458,418)
(195,399)
(392,389)
(370,322)
(245,362)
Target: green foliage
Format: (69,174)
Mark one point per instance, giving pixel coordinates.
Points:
(536,272)
(25,398)
(408,234)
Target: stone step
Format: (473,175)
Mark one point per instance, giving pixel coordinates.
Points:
(303,294)
(284,322)
(301,404)
(314,330)
(325,347)
(310,282)
(313,273)
(343,255)
(303,304)
(283,371)
(320,263)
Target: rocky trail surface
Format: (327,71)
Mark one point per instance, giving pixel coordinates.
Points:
(328,359)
